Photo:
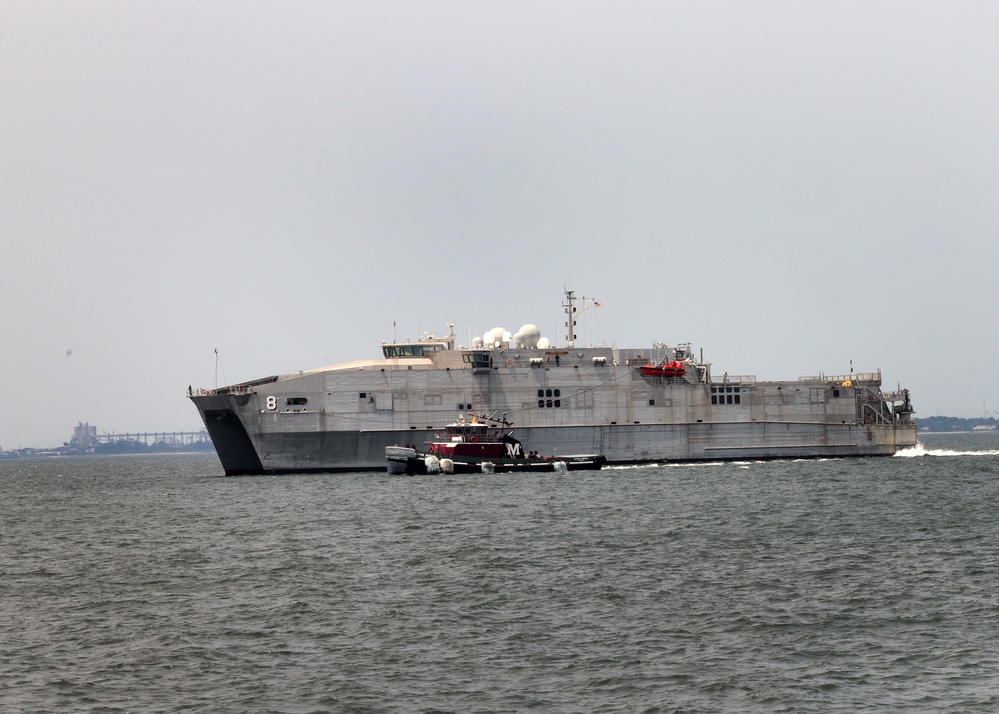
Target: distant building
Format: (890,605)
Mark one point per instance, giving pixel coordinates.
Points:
(84,436)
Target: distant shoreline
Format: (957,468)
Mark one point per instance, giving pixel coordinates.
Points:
(30,453)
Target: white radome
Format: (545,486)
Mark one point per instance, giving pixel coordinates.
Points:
(529,335)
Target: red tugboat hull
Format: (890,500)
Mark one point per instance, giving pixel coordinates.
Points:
(407,460)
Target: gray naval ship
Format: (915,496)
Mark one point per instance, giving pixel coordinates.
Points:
(657,404)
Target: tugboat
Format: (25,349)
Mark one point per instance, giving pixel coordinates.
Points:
(478,447)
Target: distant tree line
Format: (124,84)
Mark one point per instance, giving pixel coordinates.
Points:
(946,423)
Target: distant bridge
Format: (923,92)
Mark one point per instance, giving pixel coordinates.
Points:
(85,436)
(155,437)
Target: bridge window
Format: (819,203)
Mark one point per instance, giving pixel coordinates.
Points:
(296,401)
(393,351)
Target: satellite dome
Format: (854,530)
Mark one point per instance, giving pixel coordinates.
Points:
(529,335)
(493,336)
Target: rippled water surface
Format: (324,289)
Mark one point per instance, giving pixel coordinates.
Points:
(150,584)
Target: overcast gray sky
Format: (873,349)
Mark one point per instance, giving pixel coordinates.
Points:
(789,185)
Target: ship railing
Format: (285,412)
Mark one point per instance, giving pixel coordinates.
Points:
(737,380)
(856,377)
(235,389)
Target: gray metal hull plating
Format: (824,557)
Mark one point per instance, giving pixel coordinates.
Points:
(588,400)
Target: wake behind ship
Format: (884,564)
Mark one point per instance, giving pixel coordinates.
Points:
(633,406)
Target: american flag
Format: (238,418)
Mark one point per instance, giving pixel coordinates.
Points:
(597,304)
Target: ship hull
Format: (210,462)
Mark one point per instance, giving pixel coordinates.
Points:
(409,461)
(245,452)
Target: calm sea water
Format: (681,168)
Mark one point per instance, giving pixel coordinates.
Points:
(149,584)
